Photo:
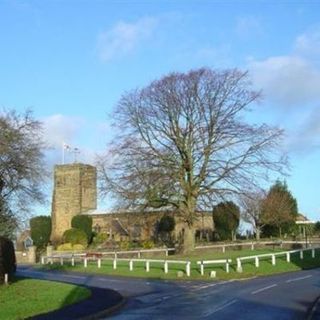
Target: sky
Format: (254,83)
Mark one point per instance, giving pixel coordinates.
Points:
(70,62)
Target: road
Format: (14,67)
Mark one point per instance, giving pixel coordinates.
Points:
(286,296)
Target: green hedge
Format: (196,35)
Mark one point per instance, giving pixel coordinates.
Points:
(7,258)
(40,230)
(84,223)
(75,236)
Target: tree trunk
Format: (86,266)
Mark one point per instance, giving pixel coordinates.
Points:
(280,234)
(188,239)
(258,233)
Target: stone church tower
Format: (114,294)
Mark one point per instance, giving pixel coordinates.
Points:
(75,191)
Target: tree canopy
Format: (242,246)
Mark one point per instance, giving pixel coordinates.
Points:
(22,167)
(280,208)
(226,218)
(183,142)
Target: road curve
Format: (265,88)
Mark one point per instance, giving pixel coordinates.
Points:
(287,296)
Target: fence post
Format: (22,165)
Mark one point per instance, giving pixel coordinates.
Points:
(188,268)
(252,246)
(227,266)
(147,266)
(6,278)
(257,261)
(288,256)
(130,265)
(301,254)
(223,249)
(167,252)
(239,267)
(72,261)
(114,264)
(166,267)
(139,254)
(85,262)
(313,253)
(61,261)
(273,259)
(202,268)
(42,260)
(99,263)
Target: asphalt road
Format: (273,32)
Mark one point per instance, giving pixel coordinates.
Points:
(282,297)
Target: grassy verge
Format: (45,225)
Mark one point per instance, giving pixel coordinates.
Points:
(156,269)
(25,298)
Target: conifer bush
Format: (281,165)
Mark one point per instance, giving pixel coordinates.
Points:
(7,259)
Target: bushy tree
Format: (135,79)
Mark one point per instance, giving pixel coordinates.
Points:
(165,227)
(22,167)
(84,223)
(183,143)
(7,258)
(75,236)
(226,218)
(40,230)
(280,208)
(8,222)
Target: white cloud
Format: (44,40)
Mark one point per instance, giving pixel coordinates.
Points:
(59,128)
(287,80)
(308,43)
(124,37)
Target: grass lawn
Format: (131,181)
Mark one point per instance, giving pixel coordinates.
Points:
(156,269)
(25,298)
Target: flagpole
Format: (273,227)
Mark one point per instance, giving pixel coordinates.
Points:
(63,152)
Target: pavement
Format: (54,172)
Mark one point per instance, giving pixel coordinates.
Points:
(289,296)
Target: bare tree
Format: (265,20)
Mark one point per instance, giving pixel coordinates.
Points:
(182,142)
(22,168)
(252,210)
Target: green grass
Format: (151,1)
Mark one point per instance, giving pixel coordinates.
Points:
(25,298)
(249,269)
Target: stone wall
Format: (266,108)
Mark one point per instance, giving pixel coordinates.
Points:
(75,191)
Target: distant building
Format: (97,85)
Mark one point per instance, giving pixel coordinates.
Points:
(75,192)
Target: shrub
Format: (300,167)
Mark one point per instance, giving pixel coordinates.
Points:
(100,238)
(126,245)
(40,230)
(69,247)
(7,258)
(75,236)
(84,223)
(65,247)
(148,244)
(78,247)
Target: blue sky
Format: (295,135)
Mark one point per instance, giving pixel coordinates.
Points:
(70,61)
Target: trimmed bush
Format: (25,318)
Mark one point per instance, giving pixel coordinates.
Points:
(40,230)
(78,247)
(69,247)
(84,223)
(75,236)
(65,247)
(148,244)
(7,258)
(100,238)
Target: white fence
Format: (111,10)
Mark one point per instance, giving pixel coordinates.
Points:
(206,262)
(252,244)
(273,256)
(99,258)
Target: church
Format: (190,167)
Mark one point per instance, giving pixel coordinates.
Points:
(75,192)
